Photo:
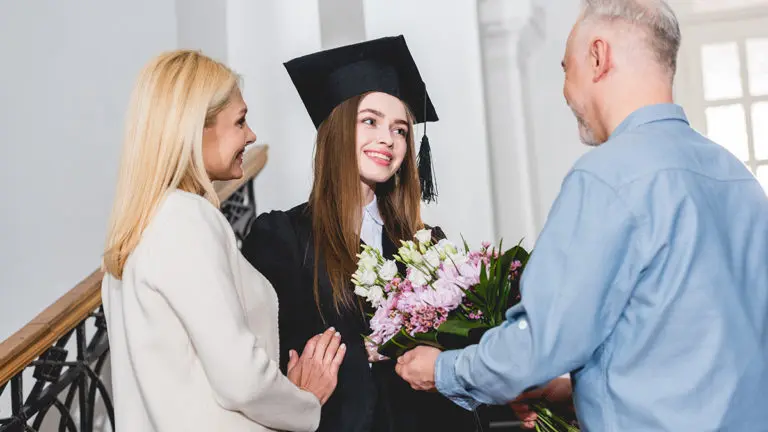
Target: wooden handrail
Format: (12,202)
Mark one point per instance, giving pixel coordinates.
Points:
(29,343)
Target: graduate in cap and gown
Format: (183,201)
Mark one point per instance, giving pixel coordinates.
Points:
(364,100)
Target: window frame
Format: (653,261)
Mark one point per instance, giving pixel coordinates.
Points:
(715,28)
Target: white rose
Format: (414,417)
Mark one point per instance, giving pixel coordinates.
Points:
(416,257)
(424,235)
(368,278)
(446,247)
(404,253)
(361,291)
(388,270)
(432,257)
(368,262)
(418,278)
(375,295)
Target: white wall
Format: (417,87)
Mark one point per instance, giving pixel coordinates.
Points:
(341,22)
(67,70)
(202,25)
(444,42)
(262,36)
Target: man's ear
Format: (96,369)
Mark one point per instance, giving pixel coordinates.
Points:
(600,58)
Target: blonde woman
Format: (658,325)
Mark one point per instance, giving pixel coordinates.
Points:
(192,326)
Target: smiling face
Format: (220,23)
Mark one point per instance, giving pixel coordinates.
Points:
(224,142)
(381,137)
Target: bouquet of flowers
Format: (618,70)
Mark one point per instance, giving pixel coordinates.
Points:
(440,295)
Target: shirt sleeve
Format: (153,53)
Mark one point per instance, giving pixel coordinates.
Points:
(577,283)
(193,272)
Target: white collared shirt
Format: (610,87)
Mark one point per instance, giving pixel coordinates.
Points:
(372,226)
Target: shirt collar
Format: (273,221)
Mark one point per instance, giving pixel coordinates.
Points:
(649,114)
(372,209)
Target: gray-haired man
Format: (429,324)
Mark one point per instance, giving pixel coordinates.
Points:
(649,282)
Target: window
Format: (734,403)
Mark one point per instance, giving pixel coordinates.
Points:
(735,86)
(723,84)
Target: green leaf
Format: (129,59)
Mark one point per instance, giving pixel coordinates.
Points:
(472,297)
(503,287)
(459,327)
(495,290)
(466,246)
(484,288)
(501,307)
(402,342)
(452,334)
(481,291)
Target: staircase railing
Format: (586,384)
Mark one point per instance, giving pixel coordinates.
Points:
(62,368)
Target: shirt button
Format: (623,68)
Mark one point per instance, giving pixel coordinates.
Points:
(522,324)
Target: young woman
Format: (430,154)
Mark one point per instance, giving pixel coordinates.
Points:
(364,100)
(192,326)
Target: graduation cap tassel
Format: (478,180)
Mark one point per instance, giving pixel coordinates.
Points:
(426,171)
(424,163)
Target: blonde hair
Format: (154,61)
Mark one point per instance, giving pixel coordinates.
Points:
(176,95)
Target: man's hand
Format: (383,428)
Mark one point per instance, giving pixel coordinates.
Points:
(557,391)
(417,367)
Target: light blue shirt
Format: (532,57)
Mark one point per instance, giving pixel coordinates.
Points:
(649,283)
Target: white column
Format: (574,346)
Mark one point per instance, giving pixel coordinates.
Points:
(509,30)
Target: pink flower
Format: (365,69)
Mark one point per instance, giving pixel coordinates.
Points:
(446,294)
(405,286)
(464,275)
(386,321)
(425,318)
(407,301)
(476,315)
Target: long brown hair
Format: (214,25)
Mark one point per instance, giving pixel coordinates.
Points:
(336,200)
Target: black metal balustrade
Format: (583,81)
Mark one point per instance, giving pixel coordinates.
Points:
(57,377)
(240,211)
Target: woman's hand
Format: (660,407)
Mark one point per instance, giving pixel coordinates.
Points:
(316,371)
(557,391)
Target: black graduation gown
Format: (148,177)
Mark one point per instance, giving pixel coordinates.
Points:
(366,398)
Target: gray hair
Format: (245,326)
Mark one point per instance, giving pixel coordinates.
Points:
(655,17)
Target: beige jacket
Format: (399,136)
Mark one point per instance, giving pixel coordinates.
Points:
(193,332)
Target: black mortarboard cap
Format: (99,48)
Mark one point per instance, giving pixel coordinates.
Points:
(327,78)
